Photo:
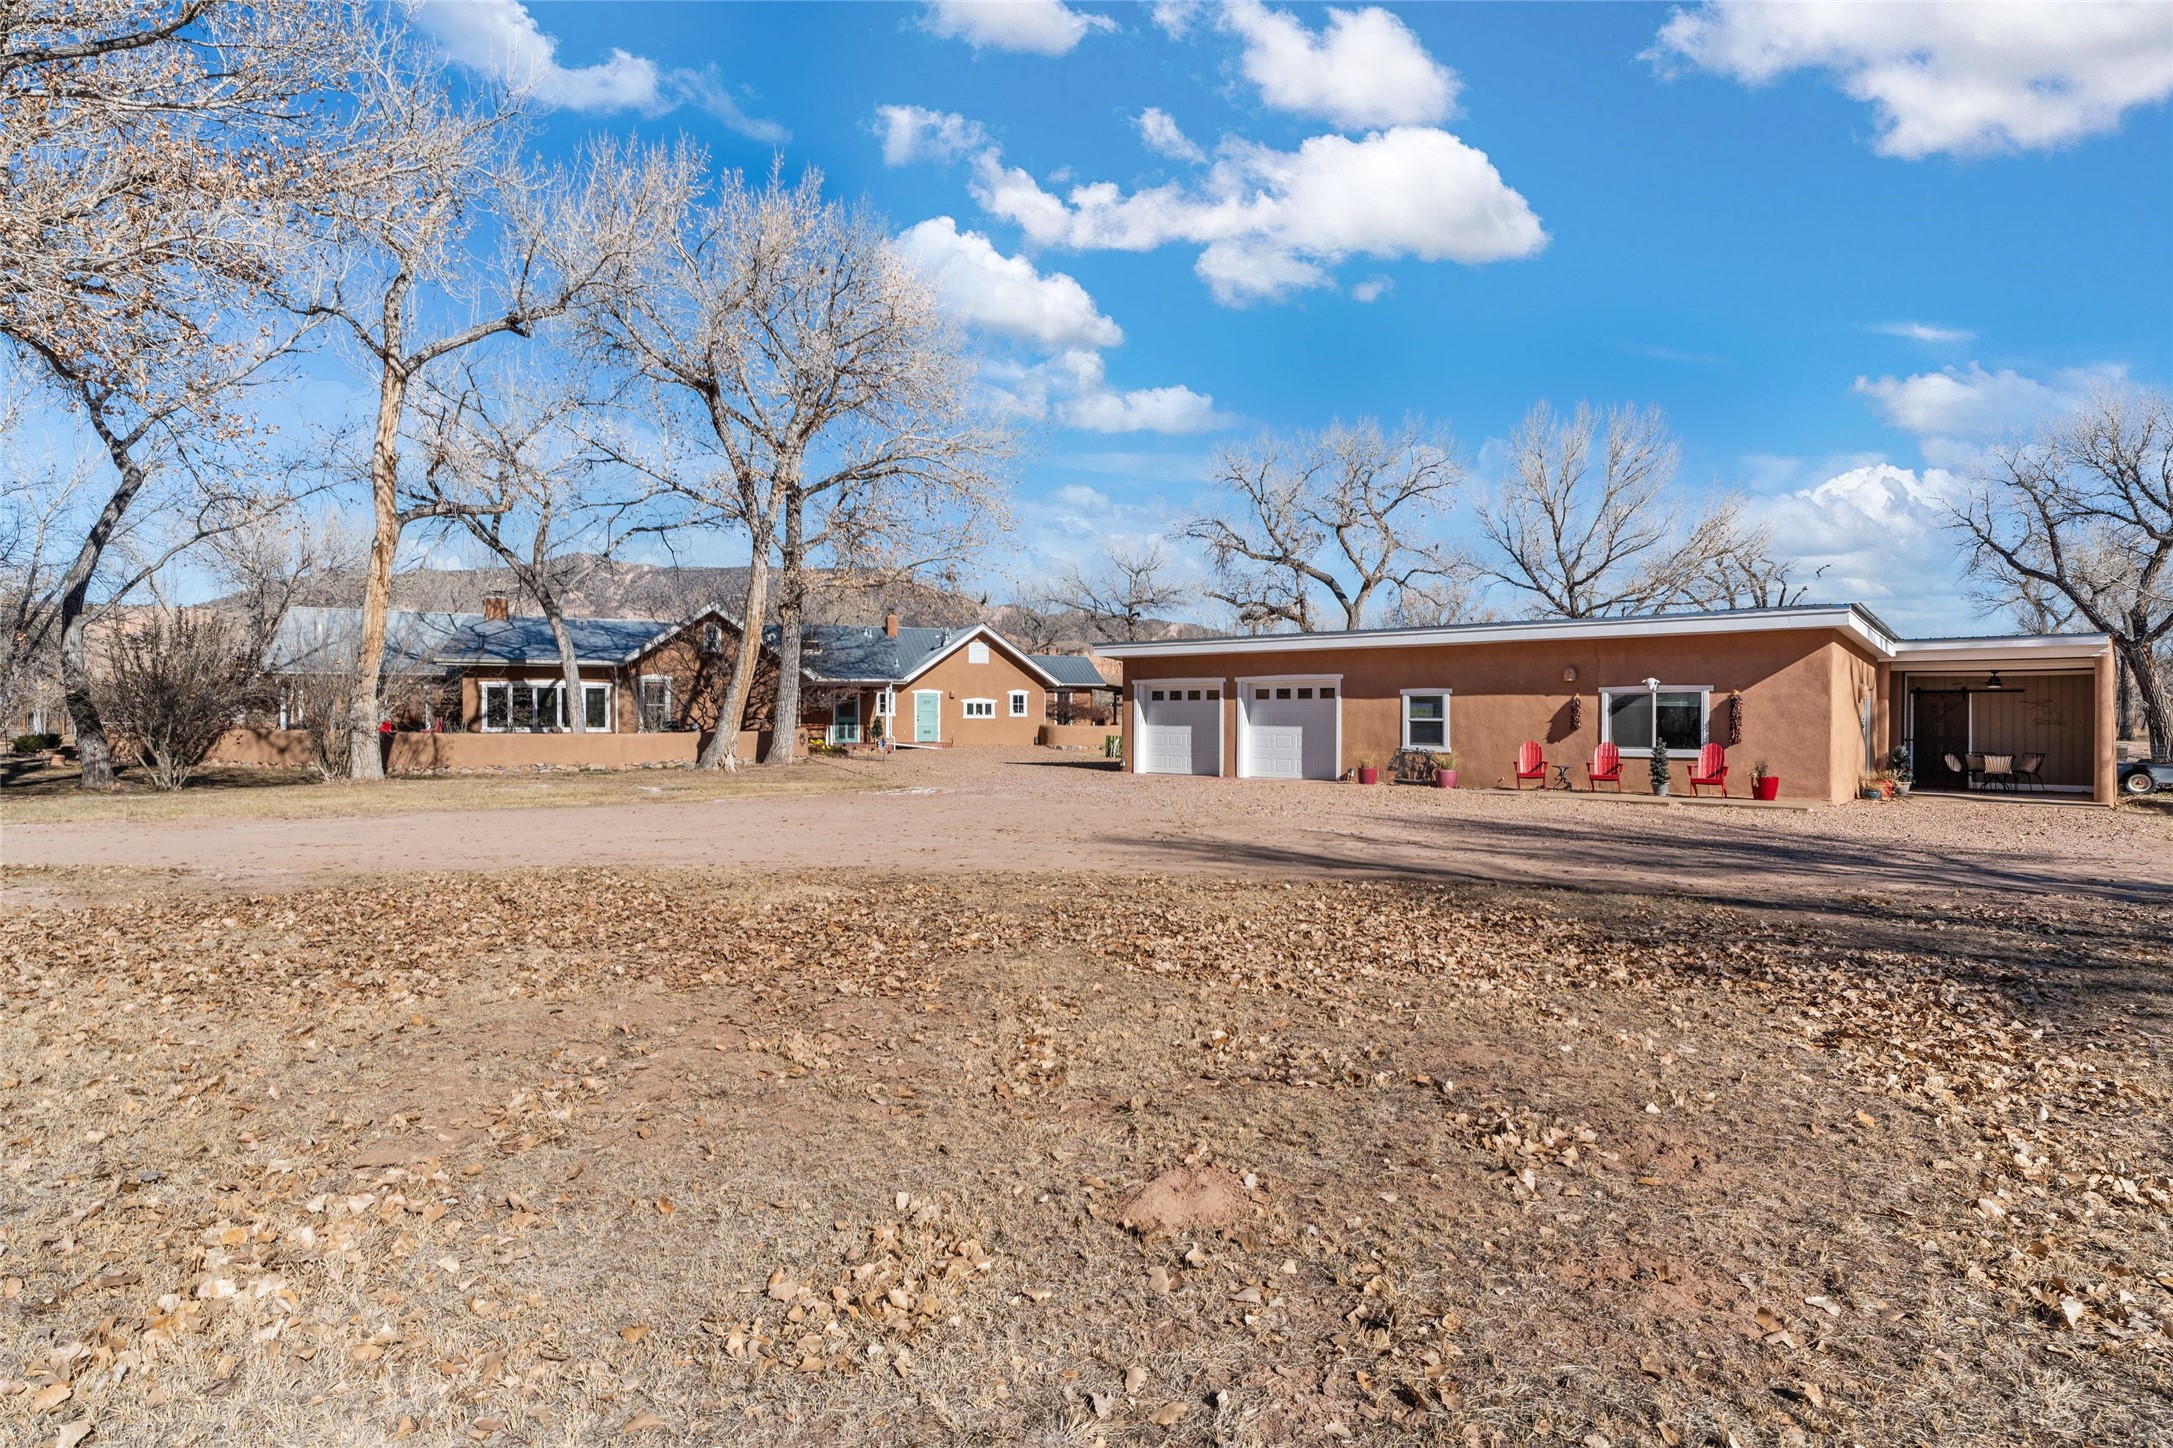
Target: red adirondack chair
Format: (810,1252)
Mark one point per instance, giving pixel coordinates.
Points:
(1605,768)
(1531,763)
(1711,769)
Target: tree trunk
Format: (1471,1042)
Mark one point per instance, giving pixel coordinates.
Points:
(2123,698)
(364,759)
(569,669)
(93,751)
(791,618)
(723,750)
(2151,690)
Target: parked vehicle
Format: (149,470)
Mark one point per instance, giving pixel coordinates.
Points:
(2145,776)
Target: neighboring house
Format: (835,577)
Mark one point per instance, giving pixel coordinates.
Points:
(1825,691)
(924,685)
(495,672)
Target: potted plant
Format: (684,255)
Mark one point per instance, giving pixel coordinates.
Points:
(1764,783)
(1445,769)
(1367,773)
(1659,770)
(1900,766)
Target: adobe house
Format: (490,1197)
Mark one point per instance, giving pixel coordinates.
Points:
(1820,694)
(498,673)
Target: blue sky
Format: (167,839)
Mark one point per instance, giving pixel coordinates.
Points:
(1843,247)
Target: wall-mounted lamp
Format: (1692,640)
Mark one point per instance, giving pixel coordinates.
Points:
(1569,675)
(1993,685)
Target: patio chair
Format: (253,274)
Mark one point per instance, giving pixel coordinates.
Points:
(1711,770)
(1531,763)
(1605,767)
(2029,769)
(1999,771)
(1968,772)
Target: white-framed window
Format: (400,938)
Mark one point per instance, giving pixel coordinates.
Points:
(886,703)
(1626,717)
(977,652)
(655,702)
(1426,718)
(980,708)
(1018,703)
(597,699)
(522,706)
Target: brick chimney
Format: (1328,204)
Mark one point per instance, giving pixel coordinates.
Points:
(890,625)
(497,608)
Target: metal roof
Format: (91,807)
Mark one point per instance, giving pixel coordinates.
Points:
(1843,617)
(1073,671)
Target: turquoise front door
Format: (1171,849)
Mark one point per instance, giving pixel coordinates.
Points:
(927,716)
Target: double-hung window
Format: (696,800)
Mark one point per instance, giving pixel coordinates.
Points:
(1426,718)
(980,708)
(1628,717)
(1018,703)
(655,702)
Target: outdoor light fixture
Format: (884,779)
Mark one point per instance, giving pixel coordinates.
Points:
(1992,685)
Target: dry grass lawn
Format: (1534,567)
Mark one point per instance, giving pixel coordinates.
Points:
(590,1157)
(51,796)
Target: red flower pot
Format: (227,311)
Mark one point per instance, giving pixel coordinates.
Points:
(1768,788)
(1444,779)
(1367,774)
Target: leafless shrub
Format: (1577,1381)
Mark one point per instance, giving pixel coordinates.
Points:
(172,684)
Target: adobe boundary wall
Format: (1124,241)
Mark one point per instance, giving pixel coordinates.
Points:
(419,753)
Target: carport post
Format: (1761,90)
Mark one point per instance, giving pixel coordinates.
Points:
(2104,771)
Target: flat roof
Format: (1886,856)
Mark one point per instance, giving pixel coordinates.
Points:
(1851,618)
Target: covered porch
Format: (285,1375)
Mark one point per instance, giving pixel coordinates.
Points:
(2026,718)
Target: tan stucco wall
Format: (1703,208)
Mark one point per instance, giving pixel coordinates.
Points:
(959,681)
(1797,689)
(1076,736)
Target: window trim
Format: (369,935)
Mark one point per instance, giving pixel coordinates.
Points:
(641,687)
(1631,751)
(1448,710)
(967,707)
(1018,700)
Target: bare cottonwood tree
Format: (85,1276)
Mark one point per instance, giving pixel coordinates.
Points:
(1122,596)
(276,559)
(407,280)
(148,152)
(506,458)
(2083,513)
(1348,512)
(831,398)
(1743,569)
(1587,523)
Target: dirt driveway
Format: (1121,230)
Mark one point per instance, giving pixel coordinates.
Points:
(1034,810)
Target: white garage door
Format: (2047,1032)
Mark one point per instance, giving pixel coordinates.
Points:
(1181,732)
(1289,731)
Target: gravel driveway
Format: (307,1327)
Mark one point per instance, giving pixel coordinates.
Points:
(1036,809)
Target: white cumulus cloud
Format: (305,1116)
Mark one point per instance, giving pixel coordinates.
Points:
(1924,332)
(1874,533)
(499,38)
(1063,377)
(1005,294)
(1953,76)
(1972,402)
(1036,27)
(915,133)
(1270,222)
(1372,289)
(1365,69)
(1165,137)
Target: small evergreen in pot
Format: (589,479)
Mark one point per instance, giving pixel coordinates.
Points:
(1659,770)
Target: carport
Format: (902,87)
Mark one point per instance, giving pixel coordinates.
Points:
(2025,701)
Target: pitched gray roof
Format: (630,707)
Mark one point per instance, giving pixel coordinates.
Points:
(1074,671)
(526,639)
